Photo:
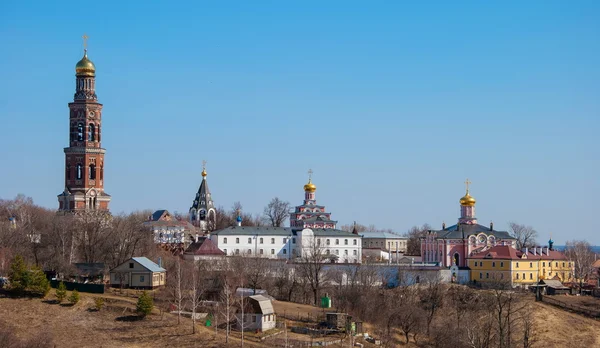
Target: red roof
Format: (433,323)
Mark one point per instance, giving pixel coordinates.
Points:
(204,246)
(503,252)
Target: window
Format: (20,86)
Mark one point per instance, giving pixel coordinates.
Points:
(92,172)
(345,242)
(480,275)
(556,264)
(493,264)
(237,241)
(327,242)
(261,251)
(337,252)
(249,240)
(272,251)
(543,264)
(337,242)
(563,264)
(79,172)
(131,265)
(523,275)
(272,240)
(319,241)
(254,318)
(80,131)
(284,251)
(355,242)
(261,241)
(501,264)
(531,265)
(327,252)
(224,240)
(517,265)
(141,279)
(345,252)
(354,252)
(91,132)
(294,240)
(517,275)
(249,251)
(237,251)
(225,251)
(487,276)
(530,275)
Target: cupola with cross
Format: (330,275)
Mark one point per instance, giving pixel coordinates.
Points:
(467,207)
(202,212)
(309,214)
(84,157)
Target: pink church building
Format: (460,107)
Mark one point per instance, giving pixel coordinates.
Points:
(454,244)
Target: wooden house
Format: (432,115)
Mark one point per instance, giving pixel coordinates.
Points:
(138,273)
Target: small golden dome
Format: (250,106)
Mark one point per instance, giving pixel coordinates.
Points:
(204,172)
(310,187)
(467,200)
(85,67)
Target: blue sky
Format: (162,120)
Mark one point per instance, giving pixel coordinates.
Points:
(391,104)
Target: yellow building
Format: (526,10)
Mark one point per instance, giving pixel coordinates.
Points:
(503,263)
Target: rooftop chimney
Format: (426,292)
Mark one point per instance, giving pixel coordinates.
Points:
(443,225)
(491,225)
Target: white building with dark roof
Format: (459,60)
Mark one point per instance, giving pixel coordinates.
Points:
(288,243)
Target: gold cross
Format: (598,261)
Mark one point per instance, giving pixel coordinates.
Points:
(310,172)
(203,165)
(85,38)
(467,183)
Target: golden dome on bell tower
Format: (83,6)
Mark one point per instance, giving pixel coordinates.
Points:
(310,187)
(85,67)
(467,200)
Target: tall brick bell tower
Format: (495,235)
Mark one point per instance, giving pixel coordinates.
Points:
(84,158)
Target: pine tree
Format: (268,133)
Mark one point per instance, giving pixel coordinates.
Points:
(61,292)
(74,298)
(98,303)
(17,275)
(37,284)
(145,304)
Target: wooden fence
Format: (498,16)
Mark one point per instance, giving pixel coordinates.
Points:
(593,313)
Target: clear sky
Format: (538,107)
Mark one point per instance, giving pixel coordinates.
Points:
(393,105)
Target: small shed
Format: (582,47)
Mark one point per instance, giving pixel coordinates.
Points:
(553,287)
(336,320)
(138,273)
(258,314)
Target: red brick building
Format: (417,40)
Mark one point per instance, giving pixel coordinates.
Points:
(84,157)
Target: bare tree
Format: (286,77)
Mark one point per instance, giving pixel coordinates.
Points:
(312,262)
(432,297)
(276,212)
(175,287)
(196,289)
(581,254)
(525,235)
(257,271)
(413,245)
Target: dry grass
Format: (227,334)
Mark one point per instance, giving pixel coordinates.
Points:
(113,326)
(559,328)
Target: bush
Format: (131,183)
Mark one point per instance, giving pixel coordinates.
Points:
(145,304)
(74,298)
(98,303)
(61,292)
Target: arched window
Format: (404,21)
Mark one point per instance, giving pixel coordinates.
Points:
(92,172)
(101,172)
(80,131)
(98,132)
(79,171)
(91,132)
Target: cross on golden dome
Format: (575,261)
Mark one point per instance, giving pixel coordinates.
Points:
(85,38)
(467,183)
(310,187)
(467,200)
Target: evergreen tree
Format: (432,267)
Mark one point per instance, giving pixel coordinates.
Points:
(61,292)
(37,283)
(74,298)
(17,275)
(145,304)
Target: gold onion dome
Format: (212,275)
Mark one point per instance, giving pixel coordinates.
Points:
(310,187)
(85,66)
(467,200)
(203,172)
